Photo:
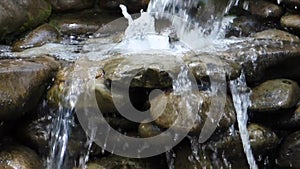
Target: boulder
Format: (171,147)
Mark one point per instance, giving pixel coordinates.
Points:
(62,5)
(19,16)
(274,95)
(23,83)
(38,37)
(16,156)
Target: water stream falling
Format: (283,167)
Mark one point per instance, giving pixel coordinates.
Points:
(197,24)
(241,99)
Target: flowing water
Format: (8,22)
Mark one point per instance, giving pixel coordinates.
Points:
(197,24)
(241,99)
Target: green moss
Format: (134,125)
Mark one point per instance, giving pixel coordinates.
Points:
(35,19)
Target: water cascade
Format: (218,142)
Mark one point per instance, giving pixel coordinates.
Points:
(195,25)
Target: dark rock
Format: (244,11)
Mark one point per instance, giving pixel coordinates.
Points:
(292,4)
(185,157)
(171,112)
(134,6)
(23,82)
(245,26)
(289,154)
(38,37)
(84,22)
(113,162)
(276,34)
(265,59)
(15,157)
(263,142)
(265,9)
(18,16)
(62,5)
(285,120)
(275,95)
(290,21)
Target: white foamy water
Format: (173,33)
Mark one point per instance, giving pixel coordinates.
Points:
(240,95)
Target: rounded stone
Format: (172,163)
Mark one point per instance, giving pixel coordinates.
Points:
(289,154)
(274,95)
(23,84)
(291,21)
(19,16)
(276,34)
(265,9)
(38,37)
(172,111)
(16,157)
(63,5)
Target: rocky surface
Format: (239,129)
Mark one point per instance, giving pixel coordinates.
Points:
(16,156)
(275,95)
(23,83)
(289,153)
(265,9)
(173,111)
(62,5)
(276,34)
(84,22)
(38,37)
(134,6)
(112,162)
(263,44)
(19,16)
(291,21)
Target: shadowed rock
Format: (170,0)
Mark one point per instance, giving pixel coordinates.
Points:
(23,82)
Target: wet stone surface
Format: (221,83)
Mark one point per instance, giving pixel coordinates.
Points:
(265,9)
(16,156)
(275,95)
(19,16)
(24,82)
(84,22)
(289,153)
(62,5)
(38,37)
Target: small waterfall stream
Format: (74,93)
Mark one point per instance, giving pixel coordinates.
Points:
(207,29)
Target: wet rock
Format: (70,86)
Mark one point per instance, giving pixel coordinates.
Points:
(185,158)
(134,6)
(15,157)
(38,37)
(291,21)
(265,9)
(200,64)
(289,154)
(84,22)
(245,26)
(55,93)
(18,16)
(24,81)
(285,120)
(62,5)
(153,76)
(170,113)
(292,4)
(275,95)
(148,130)
(265,59)
(148,73)
(112,162)
(263,142)
(276,34)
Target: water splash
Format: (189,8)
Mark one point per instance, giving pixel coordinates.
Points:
(241,99)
